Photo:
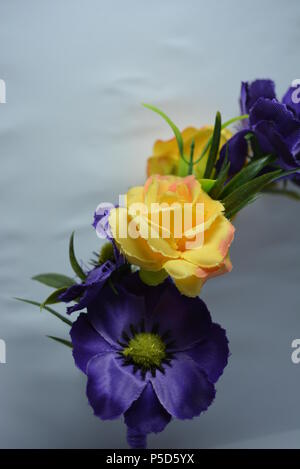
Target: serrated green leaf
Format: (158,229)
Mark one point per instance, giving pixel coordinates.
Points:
(207,184)
(247,191)
(214,148)
(152,278)
(50,310)
(61,341)
(246,174)
(73,261)
(54,280)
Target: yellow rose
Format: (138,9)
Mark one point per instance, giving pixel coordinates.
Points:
(165,158)
(147,231)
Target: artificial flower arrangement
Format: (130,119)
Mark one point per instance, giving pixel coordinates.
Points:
(143,338)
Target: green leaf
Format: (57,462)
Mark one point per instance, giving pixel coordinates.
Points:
(73,261)
(152,278)
(214,148)
(222,178)
(246,174)
(50,310)
(242,205)
(243,194)
(54,280)
(61,341)
(54,297)
(234,119)
(175,129)
(207,184)
(226,124)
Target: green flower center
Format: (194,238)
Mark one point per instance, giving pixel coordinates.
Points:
(106,253)
(146,350)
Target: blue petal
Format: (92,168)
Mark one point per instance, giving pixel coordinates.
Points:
(86,342)
(237,152)
(114,313)
(89,289)
(251,92)
(111,388)
(271,141)
(212,354)
(184,390)
(292,100)
(186,319)
(146,414)
(283,120)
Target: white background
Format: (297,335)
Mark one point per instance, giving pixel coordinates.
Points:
(73,134)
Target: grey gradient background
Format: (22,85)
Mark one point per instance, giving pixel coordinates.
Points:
(73,134)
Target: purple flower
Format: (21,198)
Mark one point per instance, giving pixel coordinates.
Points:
(111,261)
(251,92)
(237,148)
(275,125)
(292,99)
(150,357)
(277,131)
(88,290)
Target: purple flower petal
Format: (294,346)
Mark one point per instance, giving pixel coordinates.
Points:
(114,313)
(212,354)
(111,388)
(237,152)
(86,342)
(251,92)
(283,120)
(184,390)
(71,293)
(292,100)
(272,142)
(89,289)
(186,319)
(133,284)
(146,414)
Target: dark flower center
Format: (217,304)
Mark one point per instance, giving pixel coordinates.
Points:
(146,350)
